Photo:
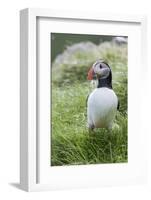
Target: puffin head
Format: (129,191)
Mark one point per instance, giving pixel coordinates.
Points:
(101,71)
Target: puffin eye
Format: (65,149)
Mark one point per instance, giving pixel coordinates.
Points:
(101,66)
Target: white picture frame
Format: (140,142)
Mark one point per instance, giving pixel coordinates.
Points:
(29,114)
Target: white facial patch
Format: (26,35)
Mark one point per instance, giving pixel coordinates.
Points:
(97,69)
(105,72)
(101,72)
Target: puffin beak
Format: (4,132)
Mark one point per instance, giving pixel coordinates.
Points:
(90,74)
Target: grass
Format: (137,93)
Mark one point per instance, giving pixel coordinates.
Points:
(71,143)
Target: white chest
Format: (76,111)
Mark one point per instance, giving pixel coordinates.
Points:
(101,108)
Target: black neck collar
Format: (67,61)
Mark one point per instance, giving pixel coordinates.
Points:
(105,82)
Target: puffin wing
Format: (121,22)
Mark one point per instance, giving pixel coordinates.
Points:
(118,104)
(87,100)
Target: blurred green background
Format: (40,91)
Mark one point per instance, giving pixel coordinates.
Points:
(60,41)
(71,57)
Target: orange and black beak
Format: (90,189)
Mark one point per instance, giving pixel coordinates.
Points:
(90,74)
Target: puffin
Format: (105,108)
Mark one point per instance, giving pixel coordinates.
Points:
(102,102)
